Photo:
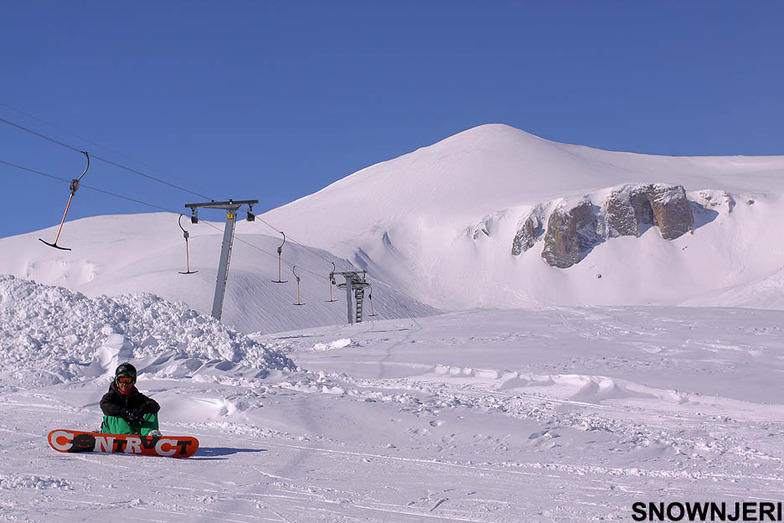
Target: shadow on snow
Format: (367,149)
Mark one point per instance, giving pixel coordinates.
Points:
(217,452)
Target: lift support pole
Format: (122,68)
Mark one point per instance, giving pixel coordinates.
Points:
(355,293)
(231,208)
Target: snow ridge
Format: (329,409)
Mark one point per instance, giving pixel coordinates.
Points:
(51,335)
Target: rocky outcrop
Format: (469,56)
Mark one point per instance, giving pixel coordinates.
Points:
(671,211)
(571,234)
(628,211)
(530,230)
(631,209)
(575,227)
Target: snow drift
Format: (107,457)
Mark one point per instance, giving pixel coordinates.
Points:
(52,335)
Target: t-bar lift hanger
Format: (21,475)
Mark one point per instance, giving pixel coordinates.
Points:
(74,186)
(294,270)
(186,234)
(280,260)
(331,283)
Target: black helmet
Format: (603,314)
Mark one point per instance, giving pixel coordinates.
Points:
(125,369)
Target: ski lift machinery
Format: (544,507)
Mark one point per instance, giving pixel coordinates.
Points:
(355,284)
(231,207)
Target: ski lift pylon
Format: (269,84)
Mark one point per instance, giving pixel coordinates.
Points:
(186,234)
(73,186)
(280,260)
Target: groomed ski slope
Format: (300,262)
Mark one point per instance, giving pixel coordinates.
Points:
(562,414)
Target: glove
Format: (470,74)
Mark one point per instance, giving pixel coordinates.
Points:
(133,416)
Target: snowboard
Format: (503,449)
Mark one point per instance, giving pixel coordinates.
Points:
(167,446)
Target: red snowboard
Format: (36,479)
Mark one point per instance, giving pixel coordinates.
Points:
(168,446)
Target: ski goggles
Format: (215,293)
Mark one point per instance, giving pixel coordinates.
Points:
(125,379)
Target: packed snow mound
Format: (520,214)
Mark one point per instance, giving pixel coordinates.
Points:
(51,335)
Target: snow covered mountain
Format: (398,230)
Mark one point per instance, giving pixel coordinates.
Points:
(413,222)
(439,229)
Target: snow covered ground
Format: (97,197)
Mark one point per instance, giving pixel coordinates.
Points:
(562,414)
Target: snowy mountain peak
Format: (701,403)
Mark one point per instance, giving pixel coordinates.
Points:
(414,221)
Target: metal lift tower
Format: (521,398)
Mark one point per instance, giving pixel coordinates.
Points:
(231,208)
(355,284)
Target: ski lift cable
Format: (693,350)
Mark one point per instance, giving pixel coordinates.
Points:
(137,172)
(141,202)
(134,171)
(314,273)
(110,162)
(252,246)
(109,193)
(21,127)
(89,187)
(164,182)
(66,131)
(52,176)
(238,239)
(289,238)
(330,278)
(292,240)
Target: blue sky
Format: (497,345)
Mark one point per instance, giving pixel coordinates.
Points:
(276,100)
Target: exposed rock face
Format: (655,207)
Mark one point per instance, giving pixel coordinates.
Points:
(628,210)
(530,230)
(571,234)
(671,211)
(574,228)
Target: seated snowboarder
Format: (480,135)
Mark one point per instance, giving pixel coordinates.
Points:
(125,409)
